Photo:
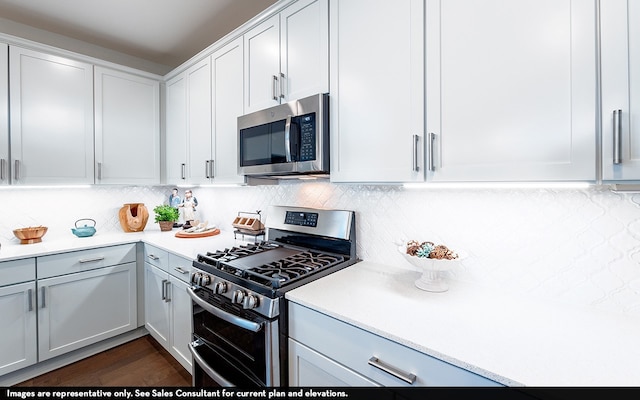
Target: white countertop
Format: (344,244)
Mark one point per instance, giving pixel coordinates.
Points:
(514,341)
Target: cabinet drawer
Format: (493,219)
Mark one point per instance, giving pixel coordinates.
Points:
(156,256)
(180,267)
(17,271)
(354,347)
(85,260)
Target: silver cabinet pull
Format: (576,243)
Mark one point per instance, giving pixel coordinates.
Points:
(3,167)
(167,291)
(164,289)
(30,301)
(432,138)
(391,370)
(16,170)
(274,87)
(206,169)
(42,293)
(211,163)
(153,257)
(183,170)
(617,136)
(99,171)
(182,271)
(90,260)
(415,141)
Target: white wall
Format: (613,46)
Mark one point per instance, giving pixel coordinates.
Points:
(575,246)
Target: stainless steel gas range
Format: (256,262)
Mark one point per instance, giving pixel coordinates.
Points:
(239,308)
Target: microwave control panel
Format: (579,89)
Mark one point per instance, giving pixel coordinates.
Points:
(307,137)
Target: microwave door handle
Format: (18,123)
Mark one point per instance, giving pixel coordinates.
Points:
(287,138)
(230,318)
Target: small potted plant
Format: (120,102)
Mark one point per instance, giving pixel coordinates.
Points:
(166,215)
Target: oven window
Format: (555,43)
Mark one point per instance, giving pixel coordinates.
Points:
(263,144)
(240,347)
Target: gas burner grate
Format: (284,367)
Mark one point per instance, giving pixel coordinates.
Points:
(289,269)
(215,258)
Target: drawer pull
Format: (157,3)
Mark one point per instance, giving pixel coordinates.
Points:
(182,271)
(390,369)
(90,260)
(154,258)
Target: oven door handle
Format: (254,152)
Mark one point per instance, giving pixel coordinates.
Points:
(232,319)
(207,369)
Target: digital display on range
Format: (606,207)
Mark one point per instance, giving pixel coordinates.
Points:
(301,218)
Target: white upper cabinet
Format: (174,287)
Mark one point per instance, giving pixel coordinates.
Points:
(377,90)
(228,105)
(51,114)
(199,135)
(4,114)
(176,130)
(287,55)
(127,131)
(511,90)
(620,68)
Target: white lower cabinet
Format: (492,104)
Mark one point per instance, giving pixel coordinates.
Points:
(18,313)
(324,351)
(85,307)
(167,303)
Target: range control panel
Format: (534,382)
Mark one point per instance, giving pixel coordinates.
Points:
(301,218)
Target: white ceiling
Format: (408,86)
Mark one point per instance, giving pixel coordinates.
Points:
(166,32)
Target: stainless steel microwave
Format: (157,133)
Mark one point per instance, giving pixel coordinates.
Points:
(288,139)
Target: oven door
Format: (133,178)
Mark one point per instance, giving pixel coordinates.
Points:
(232,346)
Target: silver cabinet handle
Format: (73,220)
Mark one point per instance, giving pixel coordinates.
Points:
(281,85)
(167,291)
(391,370)
(164,289)
(206,169)
(42,293)
(30,301)
(432,138)
(415,140)
(183,170)
(617,136)
(154,258)
(274,86)
(211,163)
(3,167)
(99,171)
(16,170)
(182,271)
(90,260)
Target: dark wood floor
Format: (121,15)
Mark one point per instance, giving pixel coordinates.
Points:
(141,362)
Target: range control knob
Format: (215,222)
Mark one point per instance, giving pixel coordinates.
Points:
(238,296)
(250,301)
(220,287)
(196,278)
(205,280)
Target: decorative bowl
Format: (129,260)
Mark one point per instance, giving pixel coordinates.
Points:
(434,271)
(32,234)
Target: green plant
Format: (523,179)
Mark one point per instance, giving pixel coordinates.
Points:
(165,212)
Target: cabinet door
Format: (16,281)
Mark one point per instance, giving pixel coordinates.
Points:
(304,47)
(51,119)
(176,130)
(4,114)
(312,369)
(79,309)
(377,106)
(228,105)
(181,321)
(262,68)
(156,307)
(199,122)
(511,89)
(127,117)
(620,68)
(18,347)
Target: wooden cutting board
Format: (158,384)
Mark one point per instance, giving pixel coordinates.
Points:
(183,234)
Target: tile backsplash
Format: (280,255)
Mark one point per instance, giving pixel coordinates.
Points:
(575,246)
